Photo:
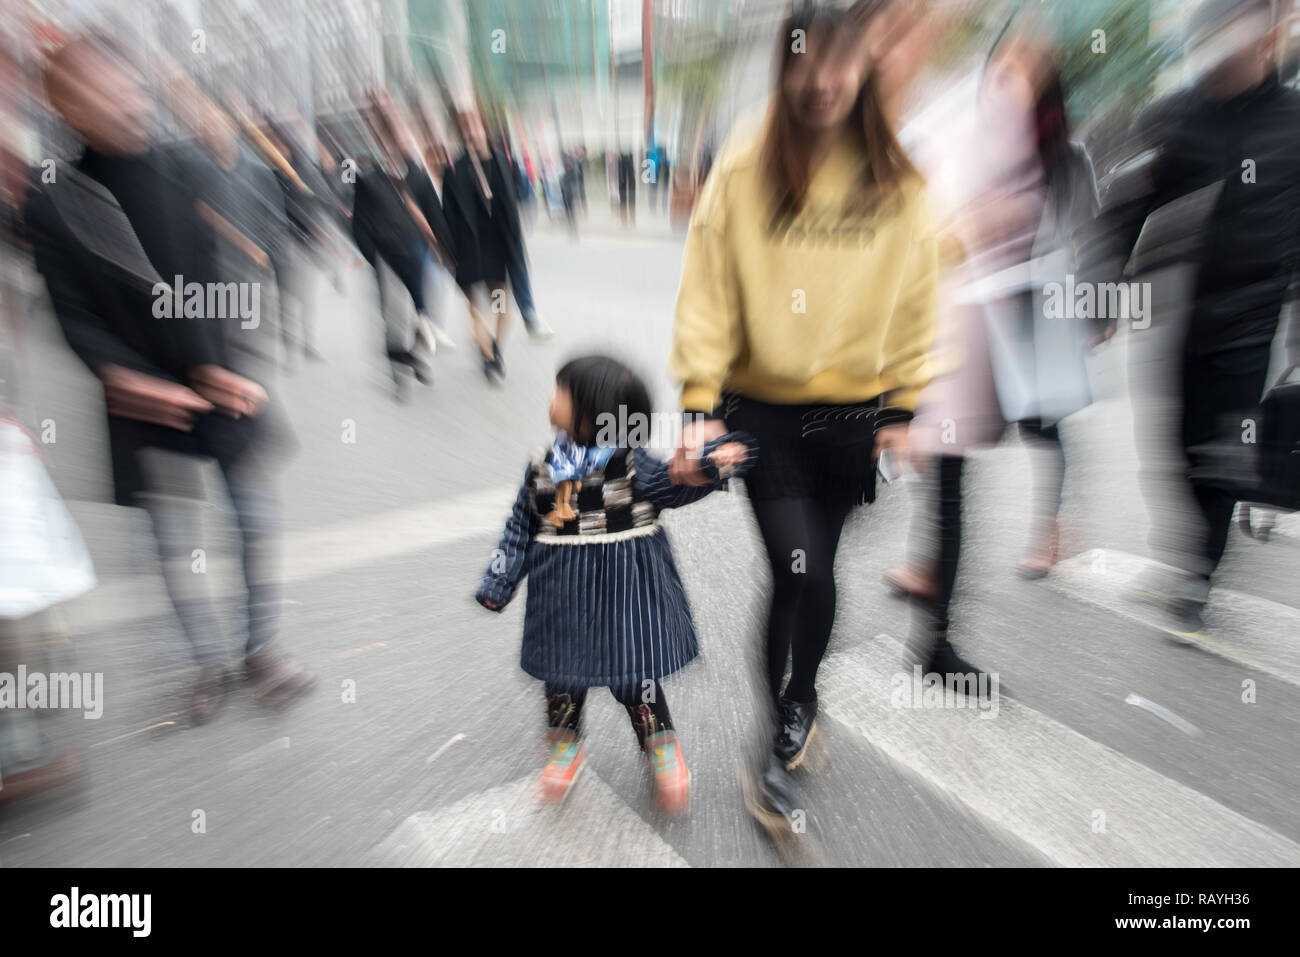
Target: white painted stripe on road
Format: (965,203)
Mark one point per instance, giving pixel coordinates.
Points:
(504,827)
(1164,714)
(362,541)
(1042,781)
(1251,631)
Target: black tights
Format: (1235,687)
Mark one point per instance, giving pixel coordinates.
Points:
(564,708)
(801,535)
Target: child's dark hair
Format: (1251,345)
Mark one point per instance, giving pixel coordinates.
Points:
(609,399)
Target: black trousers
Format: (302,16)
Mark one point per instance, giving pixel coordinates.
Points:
(948,512)
(1219,392)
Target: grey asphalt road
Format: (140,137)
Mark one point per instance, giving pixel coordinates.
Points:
(1112,744)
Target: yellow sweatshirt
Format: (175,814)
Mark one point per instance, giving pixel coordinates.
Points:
(835,305)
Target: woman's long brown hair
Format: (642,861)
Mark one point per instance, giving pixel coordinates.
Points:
(788,165)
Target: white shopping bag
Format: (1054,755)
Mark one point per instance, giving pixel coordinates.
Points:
(43,560)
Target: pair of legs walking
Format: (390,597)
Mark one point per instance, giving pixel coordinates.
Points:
(801,536)
(645,706)
(176,514)
(648,711)
(1221,396)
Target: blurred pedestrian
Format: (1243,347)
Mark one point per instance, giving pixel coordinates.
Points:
(1233,139)
(1025,190)
(606,607)
(111,237)
(805,317)
(385,228)
(484,218)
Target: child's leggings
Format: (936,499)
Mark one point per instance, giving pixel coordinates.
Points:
(645,705)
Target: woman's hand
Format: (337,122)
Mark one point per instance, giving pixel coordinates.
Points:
(891,437)
(228,391)
(684,469)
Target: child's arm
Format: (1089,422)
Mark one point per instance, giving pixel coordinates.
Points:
(506,569)
(726,457)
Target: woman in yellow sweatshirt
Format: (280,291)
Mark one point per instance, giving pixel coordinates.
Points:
(805,317)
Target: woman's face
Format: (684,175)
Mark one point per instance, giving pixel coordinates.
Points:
(1016,75)
(822,82)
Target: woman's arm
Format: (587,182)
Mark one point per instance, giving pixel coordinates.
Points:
(726,457)
(509,559)
(707,331)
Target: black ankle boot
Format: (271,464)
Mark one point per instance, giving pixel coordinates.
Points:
(936,655)
(796,725)
(779,790)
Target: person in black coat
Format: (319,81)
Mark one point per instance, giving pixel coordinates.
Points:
(1237,132)
(113,236)
(483,215)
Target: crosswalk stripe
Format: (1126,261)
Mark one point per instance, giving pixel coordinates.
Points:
(312,554)
(1073,799)
(1248,630)
(504,827)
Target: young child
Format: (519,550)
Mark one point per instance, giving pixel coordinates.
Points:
(605,605)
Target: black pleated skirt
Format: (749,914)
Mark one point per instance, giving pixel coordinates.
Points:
(822,452)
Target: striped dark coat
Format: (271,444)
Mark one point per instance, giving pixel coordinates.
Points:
(605,603)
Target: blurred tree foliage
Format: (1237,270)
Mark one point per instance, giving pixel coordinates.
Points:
(1104,50)
(1119,76)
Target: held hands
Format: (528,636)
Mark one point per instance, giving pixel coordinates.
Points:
(728,456)
(146,398)
(684,469)
(228,391)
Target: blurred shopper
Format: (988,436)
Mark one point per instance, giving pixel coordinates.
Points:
(1235,134)
(419,166)
(580,171)
(310,247)
(606,607)
(627,189)
(426,178)
(805,317)
(484,218)
(521,285)
(1023,190)
(239,199)
(44,561)
(569,194)
(104,235)
(387,236)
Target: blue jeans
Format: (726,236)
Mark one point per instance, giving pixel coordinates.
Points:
(517,270)
(178,529)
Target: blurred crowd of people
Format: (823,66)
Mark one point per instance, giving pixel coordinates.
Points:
(925,231)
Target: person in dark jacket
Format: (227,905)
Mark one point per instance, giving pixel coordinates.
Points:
(113,237)
(1236,132)
(386,233)
(483,214)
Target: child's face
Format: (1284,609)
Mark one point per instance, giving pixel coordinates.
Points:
(561,410)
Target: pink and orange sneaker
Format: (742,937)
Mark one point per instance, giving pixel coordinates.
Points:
(563,764)
(672,780)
